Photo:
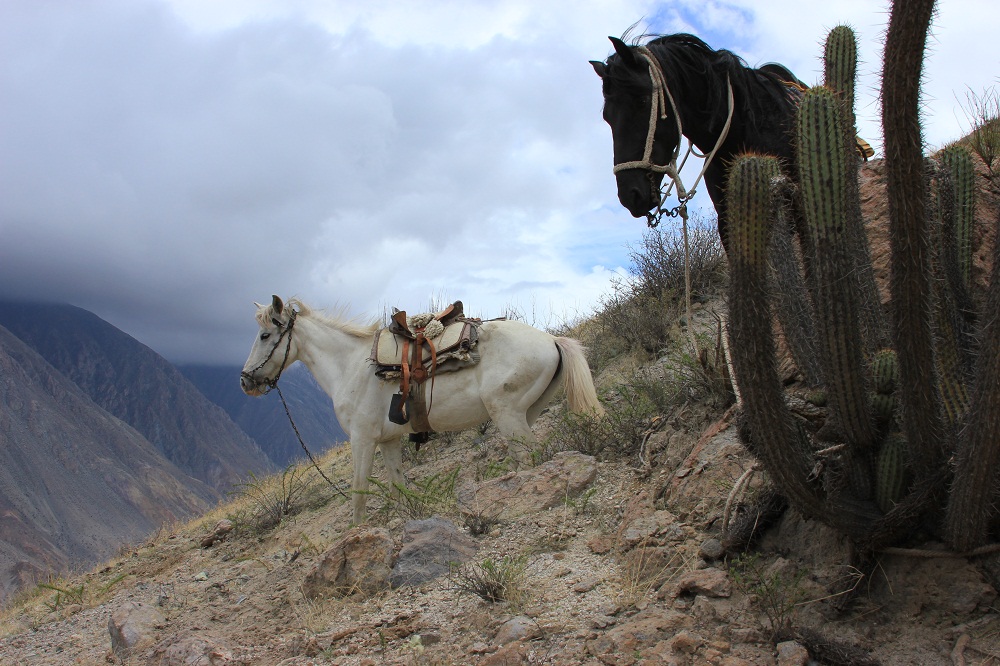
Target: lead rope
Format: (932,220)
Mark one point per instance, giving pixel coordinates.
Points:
(305,448)
(272,384)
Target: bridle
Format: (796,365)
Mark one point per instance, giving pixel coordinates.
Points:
(285,330)
(658,111)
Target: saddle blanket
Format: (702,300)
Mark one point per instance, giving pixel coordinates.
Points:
(455,348)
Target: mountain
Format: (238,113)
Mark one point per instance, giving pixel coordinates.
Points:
(75,482)
(264,418)
(132,382)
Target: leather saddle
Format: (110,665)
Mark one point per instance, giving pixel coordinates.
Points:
(415,349)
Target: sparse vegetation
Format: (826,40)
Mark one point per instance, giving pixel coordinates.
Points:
(641,313)
(495,580)
(645,569)
(982,111)
(269,500)
(771,591)
(424,498)
(70,594)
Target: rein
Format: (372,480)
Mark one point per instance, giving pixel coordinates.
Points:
(658,111)
(272,384)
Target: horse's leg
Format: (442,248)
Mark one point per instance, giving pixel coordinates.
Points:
(363,455)
(513,426)
(392,457)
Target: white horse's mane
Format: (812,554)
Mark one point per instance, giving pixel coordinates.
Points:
(338,319)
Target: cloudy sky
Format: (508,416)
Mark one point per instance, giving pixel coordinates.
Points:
(163,163)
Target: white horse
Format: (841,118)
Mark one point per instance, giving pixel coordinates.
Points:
(520,370)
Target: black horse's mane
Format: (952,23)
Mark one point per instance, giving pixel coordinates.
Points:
(688,60)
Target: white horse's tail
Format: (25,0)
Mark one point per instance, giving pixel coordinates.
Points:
(580,392)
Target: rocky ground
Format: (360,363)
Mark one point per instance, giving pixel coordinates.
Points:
(601,562)
(612,564)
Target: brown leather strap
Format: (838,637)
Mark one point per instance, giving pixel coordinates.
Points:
(404,382)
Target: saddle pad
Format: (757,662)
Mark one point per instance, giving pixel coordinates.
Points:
(388,347)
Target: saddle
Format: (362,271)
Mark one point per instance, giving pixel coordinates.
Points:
(417,348)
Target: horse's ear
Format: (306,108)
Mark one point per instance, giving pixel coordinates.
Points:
(258,305)
(277,304)
(598,67)
(624,51)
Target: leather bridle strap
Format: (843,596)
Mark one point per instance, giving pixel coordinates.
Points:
(658,110)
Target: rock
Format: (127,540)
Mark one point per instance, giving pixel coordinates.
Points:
(513,654)
(685,642)
(132,624)
(192,650)
(791,653)
(520,628)
(643,630)
(711,549)
(710,582)
(430,548)
(531,490)
(647,528)
(360,562)
(218,533)
(600,544)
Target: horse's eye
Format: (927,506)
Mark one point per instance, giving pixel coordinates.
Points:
(265,336)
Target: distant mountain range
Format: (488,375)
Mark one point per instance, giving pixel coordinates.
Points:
(264,418)
(102,440)
(75,481)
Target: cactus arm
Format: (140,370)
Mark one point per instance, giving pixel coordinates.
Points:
(910,281)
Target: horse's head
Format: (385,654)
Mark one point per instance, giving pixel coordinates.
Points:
(630,102)
(273,349)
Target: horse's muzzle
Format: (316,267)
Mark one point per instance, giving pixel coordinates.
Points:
(250,386)
(636,191)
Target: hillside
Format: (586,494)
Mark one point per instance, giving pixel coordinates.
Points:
(75,482)
(606,552)
(135,384)
(264,419)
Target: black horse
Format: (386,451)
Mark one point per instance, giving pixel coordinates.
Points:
(720,103)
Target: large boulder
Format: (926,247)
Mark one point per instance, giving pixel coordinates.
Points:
(360,563)
(430,548)
(133,624)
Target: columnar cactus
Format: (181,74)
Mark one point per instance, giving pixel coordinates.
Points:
(826,172)
(958,162)
(840,65)
(896,413)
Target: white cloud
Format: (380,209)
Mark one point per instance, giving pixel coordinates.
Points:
(166,163)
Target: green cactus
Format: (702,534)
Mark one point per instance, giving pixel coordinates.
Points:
(826,169)
(958,161)
(892,476)
(885,379)
(896,412)
(750,202)
(840,64)
(973,500)
(885,372)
